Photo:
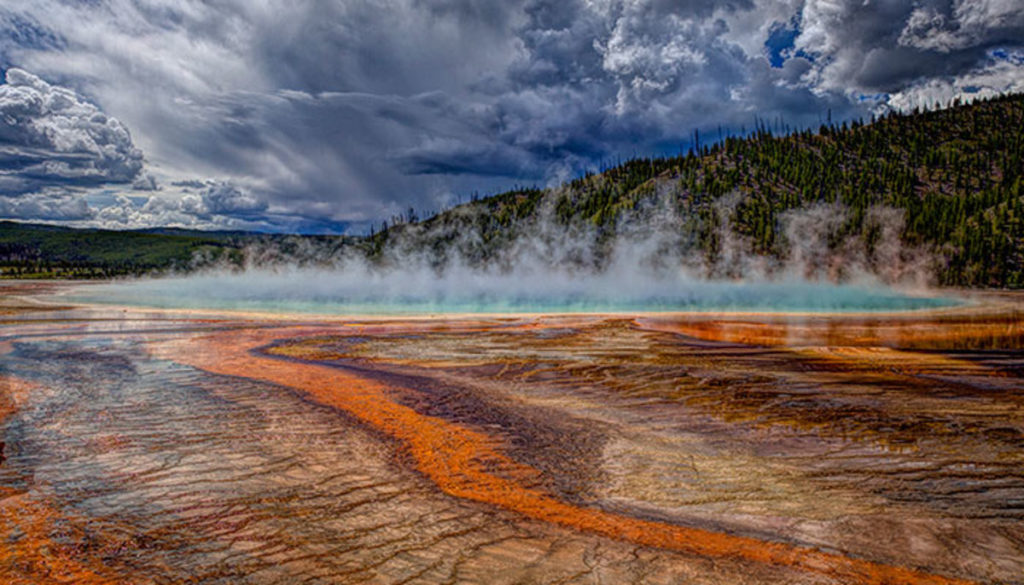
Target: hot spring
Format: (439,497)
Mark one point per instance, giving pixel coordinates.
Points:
(364,292)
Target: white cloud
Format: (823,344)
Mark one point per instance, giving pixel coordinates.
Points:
(61,137)
(219,205)
(995,78)
(970,23)
(649,55)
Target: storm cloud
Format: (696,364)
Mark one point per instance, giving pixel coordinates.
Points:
(326,116)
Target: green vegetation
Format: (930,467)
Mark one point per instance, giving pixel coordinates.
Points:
(40,251)
(954,174)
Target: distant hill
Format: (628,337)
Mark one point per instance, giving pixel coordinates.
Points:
(46,251)
(30,250)
(945,182)
(173,231)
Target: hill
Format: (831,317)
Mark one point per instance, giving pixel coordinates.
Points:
(938,188)
(953,176)
(29,250)
(45,251)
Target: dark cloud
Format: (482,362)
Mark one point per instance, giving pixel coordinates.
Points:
(49,204)
(889,45)
(145,182)
(190,184)
(20,32)
(284,115)
(226,199)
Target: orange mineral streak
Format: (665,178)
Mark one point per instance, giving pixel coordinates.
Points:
(13,392)
(40,546)
(893,361)
(30,554)
(464,463)
(998,329)
(870,346)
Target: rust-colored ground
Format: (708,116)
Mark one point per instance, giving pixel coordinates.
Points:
(40,544)
(465,464)
(767,449)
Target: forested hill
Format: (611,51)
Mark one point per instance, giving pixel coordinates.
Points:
(955,174)
(46,251)
(946,183)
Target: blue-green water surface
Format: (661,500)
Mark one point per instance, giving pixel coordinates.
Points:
(284,295)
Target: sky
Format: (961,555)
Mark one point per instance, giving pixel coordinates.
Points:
(329,116)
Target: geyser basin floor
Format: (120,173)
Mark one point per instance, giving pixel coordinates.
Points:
(148,448)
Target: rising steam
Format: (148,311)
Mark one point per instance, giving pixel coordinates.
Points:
(650,261)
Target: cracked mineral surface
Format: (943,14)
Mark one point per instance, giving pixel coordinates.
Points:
(141,446)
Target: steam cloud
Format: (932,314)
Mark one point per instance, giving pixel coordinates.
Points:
(652,261)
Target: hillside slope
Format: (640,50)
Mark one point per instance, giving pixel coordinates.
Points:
(953,177)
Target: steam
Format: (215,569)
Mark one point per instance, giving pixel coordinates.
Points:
(651,259)
(818,250)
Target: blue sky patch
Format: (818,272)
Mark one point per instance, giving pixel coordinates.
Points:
(781,40)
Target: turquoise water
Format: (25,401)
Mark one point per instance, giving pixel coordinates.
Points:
(295,294)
